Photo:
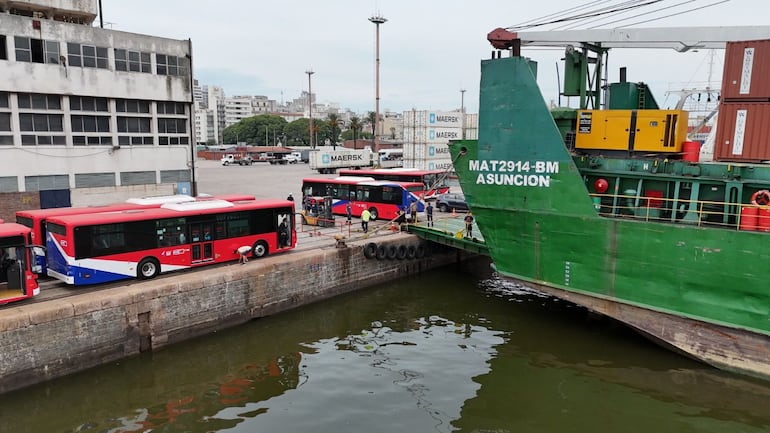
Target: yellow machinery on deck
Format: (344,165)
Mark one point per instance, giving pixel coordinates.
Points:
(658,131)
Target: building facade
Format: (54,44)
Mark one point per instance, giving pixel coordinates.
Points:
(86,110)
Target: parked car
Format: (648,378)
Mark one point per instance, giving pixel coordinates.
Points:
(449,201)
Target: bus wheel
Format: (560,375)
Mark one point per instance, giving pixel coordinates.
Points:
(148,268)
(259,249)
(374,213)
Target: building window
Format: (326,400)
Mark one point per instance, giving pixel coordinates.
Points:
(163,141)
(125,140)
(171,108)
(83,140)
(36,50)
(39,101)
(87,56)
(34,122)
(132,106)
(172,126)
(134,61)
(87,103)
(4,100)
(134,124)
(5,126)
(3,48)
(172,65)
(90,123)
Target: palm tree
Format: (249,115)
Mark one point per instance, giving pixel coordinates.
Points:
(355,125)
(334,122)
(370,118)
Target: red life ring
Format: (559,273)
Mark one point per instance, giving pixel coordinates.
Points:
(761,198)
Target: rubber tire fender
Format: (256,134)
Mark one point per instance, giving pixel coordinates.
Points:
(420,251)
(411,252)
(401,254)
(382,252)
(392,252)
(370,250)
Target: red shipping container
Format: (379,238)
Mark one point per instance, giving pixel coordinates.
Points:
(743,132)
(746,72)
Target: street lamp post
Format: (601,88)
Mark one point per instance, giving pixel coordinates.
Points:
(377,20)
(310,72)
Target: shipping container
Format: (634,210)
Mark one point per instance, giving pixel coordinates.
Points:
(440,119)
(471,120)
(472,134)
(742,132)
(422,134)
(746,71)
(426,151)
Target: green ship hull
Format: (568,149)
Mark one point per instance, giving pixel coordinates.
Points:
(677,267)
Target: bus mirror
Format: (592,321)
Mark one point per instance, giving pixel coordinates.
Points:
(36,269)
(38,251)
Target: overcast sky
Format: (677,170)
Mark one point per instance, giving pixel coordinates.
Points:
(429,49)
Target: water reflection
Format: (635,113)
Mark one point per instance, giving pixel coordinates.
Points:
(442,352)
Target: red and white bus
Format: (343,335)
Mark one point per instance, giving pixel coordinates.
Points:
(383,198)
(17,258)
(434,181)
(35,219)
(142,243)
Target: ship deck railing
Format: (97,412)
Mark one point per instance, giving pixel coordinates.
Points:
(705,213)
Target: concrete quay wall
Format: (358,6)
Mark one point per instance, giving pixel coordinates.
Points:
(45,340)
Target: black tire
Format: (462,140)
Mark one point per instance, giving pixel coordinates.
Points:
(401,254)
(148,268)
(259,249)
(392,252)
(419,251)
(225,163)
(411,252)
(382,252)
(370,250)
(374,213)
(443,208)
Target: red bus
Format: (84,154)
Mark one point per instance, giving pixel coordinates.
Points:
(434,181)
(383,198)
(35,219)
(17,257)
(142,243)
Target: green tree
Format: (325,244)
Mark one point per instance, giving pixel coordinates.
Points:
(260,130)
(370,119)
(334,124)
(355,126)
(297,133)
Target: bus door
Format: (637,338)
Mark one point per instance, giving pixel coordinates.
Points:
(201,242)
(11,272)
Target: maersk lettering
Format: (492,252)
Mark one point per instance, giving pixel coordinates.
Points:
(447,134)
(347,158)
(448,119)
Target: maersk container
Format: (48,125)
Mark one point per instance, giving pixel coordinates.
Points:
(422,134)
(747,66)
(440,119)
(472,134)
(471,120)
(426,151)
(742,131)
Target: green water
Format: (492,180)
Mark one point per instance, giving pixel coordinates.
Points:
(442,352)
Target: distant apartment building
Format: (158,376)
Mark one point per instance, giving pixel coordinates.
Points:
(89,114)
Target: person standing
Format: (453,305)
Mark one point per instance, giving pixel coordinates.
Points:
(413,211)
(365,215)
(469,225)
(349,212)
(429,214)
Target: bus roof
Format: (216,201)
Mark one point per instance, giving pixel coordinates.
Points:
(193,208)
(360,180)
(13,229)
(398,170)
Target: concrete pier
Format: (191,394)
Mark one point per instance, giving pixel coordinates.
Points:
(45,340)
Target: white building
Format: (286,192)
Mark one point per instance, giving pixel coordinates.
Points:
(88,114)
